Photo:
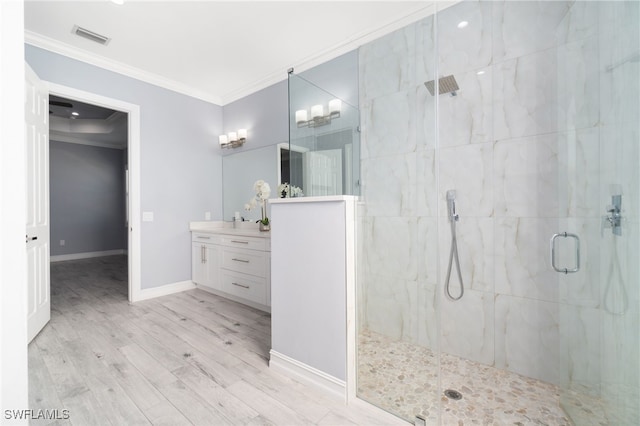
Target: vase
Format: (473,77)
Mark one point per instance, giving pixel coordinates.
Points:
(264,227)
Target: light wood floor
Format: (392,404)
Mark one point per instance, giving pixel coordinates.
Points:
(187,358)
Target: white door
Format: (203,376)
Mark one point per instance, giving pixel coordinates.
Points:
(37,154)
(323,172)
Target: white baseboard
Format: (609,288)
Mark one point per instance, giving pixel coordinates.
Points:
(152,293)
(87,255)
(307,374)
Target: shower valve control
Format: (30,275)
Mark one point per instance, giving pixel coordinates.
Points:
(614,218)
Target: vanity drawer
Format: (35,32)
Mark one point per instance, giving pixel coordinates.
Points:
(205,238)
(245,286)
(246,261)
(245,242)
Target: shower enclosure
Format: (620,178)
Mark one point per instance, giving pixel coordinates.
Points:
(541,144)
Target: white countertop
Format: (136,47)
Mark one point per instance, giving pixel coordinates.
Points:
(323,199)
(249,229)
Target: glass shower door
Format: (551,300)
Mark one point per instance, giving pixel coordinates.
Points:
(599,182)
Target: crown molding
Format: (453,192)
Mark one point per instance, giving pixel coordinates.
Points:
(76,53)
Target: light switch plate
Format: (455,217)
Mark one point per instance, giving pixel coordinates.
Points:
(147,216)
(207,215)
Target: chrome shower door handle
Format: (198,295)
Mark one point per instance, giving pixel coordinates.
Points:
(553,252)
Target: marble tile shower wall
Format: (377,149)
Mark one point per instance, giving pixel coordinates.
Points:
(529,93)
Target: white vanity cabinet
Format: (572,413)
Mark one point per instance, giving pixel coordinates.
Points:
(233,263)
(205,260)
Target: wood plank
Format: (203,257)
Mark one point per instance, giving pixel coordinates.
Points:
(42,390)
(75,395)
(205,315)
(195,337)
(308,402)
(192,406)
(332,419)
(114,399)
(166,414)
(151,369)
(267,406)
(153,346)
(235,410)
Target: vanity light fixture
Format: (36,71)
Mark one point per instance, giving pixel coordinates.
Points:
(233,139)
(318,117)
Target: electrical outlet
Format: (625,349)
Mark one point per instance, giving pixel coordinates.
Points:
(207,215)
(62,242)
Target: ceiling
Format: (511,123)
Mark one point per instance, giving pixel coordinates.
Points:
(77,122)
(72,109)
(218,51)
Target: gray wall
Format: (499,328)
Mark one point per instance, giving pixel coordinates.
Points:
(181,167)
(338,76)
(263,114)
(87,198)
(308,305)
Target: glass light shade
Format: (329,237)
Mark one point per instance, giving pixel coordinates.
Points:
(317,111)
(233,136)
(335,105)
(223,139)
(242,133)
(301,116)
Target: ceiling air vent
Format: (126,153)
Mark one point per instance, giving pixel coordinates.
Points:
(90,35)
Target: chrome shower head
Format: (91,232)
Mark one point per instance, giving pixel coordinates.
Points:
(446,84)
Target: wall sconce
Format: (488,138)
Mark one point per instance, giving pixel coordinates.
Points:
(318,117)
(233,139)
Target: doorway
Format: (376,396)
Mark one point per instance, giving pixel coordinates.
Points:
(111,111)
(88,147)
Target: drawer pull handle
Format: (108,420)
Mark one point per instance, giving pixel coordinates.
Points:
(204,238)
(240,260)
(240,242)
(240,285)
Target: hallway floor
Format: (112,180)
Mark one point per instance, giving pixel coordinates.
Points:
(403,377)
(187,358)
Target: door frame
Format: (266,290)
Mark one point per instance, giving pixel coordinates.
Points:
(133,154)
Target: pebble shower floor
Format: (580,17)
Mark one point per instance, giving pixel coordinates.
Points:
(402,378)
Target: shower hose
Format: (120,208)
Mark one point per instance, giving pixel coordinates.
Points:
(622,293)
(453,254)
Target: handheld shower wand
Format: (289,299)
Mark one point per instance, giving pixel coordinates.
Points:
(451,205)
(453,218)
